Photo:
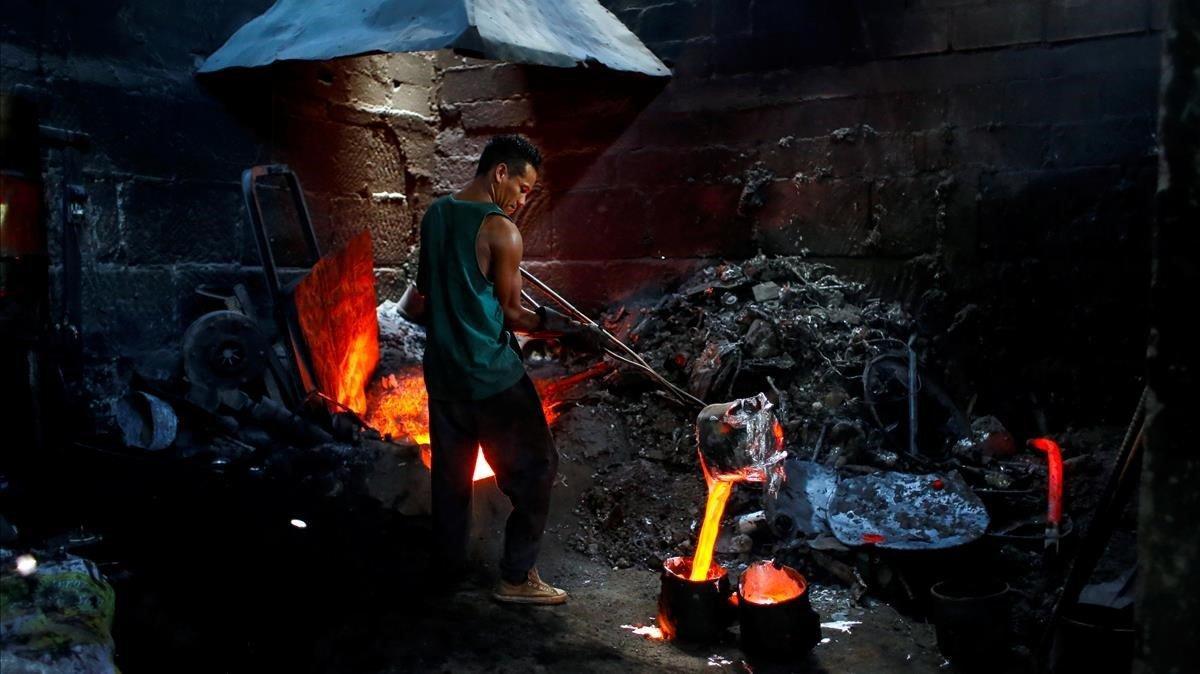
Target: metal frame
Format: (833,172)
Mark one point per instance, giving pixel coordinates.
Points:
(303,382)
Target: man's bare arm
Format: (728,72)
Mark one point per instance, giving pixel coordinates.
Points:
(506,247)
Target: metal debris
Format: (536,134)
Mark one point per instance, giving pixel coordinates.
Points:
(904,511)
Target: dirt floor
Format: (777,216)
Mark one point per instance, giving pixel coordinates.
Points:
(465,631)
(210,576)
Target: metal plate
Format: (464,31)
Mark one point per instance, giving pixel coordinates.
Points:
(904,511)
(801,508)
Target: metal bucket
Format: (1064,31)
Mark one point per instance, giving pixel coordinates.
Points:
(780,628)
(970,618)
(693,610)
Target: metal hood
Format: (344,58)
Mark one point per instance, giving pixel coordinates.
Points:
(560,33)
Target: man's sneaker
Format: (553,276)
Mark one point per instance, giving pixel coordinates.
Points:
(532,591)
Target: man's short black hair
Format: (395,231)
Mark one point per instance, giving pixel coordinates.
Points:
(514,151)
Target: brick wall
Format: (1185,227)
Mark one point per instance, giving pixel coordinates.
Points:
(949,152)
(163,169)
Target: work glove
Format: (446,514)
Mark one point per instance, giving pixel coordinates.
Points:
(552,320)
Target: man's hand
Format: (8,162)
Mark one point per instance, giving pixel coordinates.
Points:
(555,323)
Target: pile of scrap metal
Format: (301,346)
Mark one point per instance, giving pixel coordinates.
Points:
(261,384)
(881,458)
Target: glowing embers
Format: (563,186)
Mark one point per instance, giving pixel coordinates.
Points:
(777,620)
(1054,488)
(399,408)
(691,610)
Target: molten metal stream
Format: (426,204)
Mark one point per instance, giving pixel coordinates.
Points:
(718,495)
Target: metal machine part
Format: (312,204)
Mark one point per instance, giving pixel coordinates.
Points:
(223,349)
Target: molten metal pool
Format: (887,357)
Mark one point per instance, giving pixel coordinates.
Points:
(777,620)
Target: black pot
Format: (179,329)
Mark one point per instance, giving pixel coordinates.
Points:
(1092,638)
(693,610)
(783,629)
(970,618)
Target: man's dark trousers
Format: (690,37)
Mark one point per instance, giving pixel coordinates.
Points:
(511,428)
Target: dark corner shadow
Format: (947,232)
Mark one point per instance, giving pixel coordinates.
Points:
(581,112)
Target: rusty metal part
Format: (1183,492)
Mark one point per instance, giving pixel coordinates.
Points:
(146,421)
(800,510)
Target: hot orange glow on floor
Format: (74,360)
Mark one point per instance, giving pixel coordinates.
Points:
(401,409)
(482,469)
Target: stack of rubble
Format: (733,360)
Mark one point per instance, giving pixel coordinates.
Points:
(784,326)
(838,366)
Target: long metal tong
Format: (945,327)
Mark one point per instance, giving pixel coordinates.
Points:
(631,357)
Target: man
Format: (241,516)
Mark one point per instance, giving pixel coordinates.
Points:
(479,393)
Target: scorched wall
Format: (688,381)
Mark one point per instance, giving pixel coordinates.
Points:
(989,153)
(997,155)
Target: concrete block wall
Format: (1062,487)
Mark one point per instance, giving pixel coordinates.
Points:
(163,168)
(1000,151)
(996,152)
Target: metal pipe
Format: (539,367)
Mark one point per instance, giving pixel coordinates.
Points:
(609,352)
(530,299)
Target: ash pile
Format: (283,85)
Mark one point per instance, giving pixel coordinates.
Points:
(868,429)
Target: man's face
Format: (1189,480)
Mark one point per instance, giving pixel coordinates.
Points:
(512,190)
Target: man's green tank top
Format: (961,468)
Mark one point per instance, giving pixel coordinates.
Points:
(467,351)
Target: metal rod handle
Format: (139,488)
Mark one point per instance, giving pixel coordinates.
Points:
(561,301)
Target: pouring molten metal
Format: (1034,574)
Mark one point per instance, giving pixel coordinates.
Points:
(718,495)
(741,441)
